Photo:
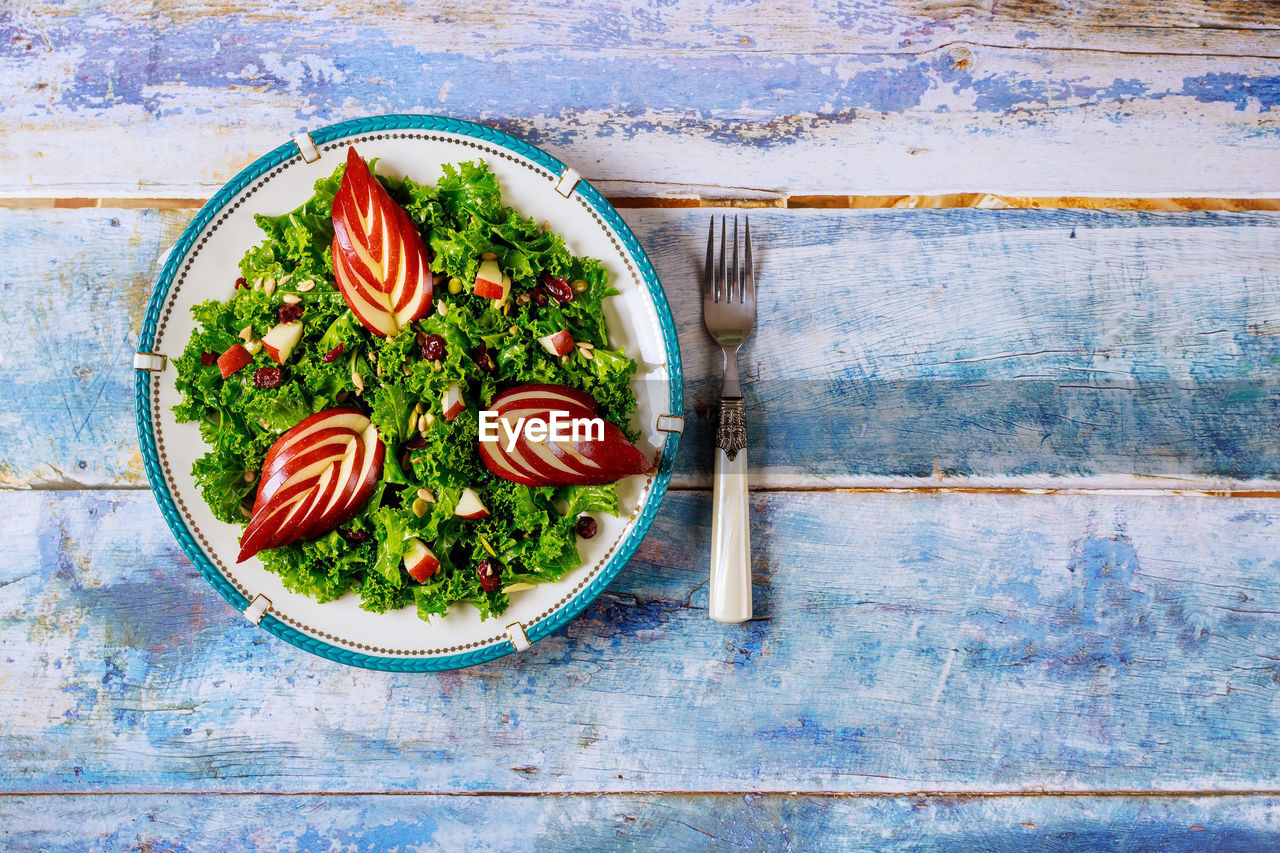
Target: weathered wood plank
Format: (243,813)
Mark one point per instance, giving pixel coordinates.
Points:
(652,822)
(865,99)
(1020,349)
(944,643)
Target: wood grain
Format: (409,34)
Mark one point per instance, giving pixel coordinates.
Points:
(649,822)
(991,349)
(870,98)
(905,643)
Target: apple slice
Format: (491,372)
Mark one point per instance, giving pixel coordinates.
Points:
(452,402)
(233,359)
(489,280)
(556,460)
(316,477)
(280,341)
(420,563)
(380,261)
(561,343)
(470,506)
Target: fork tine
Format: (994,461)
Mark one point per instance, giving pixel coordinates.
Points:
(734,285)
(721,295)
(709,271)
(748,272)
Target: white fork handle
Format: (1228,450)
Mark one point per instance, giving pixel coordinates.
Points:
(730,540)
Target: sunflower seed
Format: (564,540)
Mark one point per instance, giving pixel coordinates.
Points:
(586,353)
(304,286)
(269,286)
(246,334)
(292,299)
(488,256)
(427,495)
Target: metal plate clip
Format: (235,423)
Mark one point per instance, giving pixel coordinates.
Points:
(567,182)
(257,609)
(149,361)
(517,636)
(306,148)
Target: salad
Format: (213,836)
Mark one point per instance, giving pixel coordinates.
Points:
(343,384)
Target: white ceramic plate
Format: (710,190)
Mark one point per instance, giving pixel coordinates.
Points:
(203,265)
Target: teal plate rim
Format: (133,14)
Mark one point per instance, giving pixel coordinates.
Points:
(146,430)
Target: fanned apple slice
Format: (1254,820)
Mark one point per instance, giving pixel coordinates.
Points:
(380,261)
(316,477)
(556,461)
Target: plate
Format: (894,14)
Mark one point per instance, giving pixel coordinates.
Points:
(203,265)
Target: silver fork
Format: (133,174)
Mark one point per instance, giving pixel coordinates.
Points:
(729,312)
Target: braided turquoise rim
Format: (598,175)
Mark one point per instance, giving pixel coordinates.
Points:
(146,430)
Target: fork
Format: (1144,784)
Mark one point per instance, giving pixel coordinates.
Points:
(729,312)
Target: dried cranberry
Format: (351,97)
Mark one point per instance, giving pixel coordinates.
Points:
(557,287)
(482,358)
(433,348)
(539,296)
(268,377)
(332,354)
(490,574)
(353,535)
(240,282)
(586,527)
(416,443)
(208,359)
(290,313)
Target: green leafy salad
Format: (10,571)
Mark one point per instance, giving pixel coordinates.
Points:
(480,344)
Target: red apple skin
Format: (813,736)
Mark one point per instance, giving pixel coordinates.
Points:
(426,566)
(399,292)
(488,289)
(588,462)
(286,512)
(233,359)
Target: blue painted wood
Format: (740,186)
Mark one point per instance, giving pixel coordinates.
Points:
(869,97)
(906,642)
(652,822)
(949,347)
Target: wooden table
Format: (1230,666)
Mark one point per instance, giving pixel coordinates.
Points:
(1015,510)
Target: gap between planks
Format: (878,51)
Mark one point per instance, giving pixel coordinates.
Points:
(1145,793)
(981,201)
(1030,491)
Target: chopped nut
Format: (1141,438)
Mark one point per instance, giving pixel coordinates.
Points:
(246,334)
(419,507)
(564,359)
(249,476)
(437,279)
(341,395)
(442,308)
(523,299)
(488,256)
(427,495)
(437,366)
(427,420)
(513,330)
(586,353)
(304,286)
(244,510)
(292,299)
(579,286)
(357,381)
(379,370)
(586,345)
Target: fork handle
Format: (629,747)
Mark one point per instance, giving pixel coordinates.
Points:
(730,598)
